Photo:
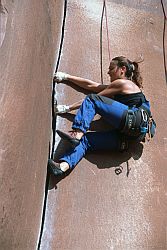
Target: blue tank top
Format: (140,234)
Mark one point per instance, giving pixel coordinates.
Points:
(131,100)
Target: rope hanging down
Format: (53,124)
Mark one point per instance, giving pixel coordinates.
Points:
(164,31)
(104,11)
(108,40)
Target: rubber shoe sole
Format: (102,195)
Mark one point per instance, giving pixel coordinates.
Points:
(54,168)
(73,141)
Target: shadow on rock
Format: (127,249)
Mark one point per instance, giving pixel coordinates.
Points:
(102,159)
(96,125)
(116,160)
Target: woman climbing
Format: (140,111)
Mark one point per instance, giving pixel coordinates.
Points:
(121,103)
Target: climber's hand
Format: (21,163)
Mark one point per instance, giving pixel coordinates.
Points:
(60,76)
(61,109)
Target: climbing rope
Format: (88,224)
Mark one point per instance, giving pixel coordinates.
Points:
(118,169)
(108,40)
(101,42)
(164,28)
(104,11)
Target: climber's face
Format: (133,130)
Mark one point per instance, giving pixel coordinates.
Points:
(116,72)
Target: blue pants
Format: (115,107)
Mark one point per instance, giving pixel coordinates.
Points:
(112,111)
(92,141)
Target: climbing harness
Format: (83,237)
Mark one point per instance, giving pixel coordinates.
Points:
(139,124)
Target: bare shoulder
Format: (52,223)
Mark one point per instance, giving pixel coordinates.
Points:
(118,84)
(125,86)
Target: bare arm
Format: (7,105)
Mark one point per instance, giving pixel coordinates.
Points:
(114,88)
(79,81)
(86,83)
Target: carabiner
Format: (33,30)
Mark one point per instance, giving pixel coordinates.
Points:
(144,115)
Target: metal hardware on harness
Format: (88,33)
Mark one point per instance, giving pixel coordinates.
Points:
(129,120)
(150,123)
(144,115)
(124,145)
(144,124)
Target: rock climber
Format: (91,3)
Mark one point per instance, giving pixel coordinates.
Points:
(121,103)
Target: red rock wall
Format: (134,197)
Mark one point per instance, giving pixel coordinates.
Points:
(93,208)
(27,56)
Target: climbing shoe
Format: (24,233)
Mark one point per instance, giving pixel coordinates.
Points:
(54,168)
(73,141)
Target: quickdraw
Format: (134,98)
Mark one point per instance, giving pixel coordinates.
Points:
(151,128)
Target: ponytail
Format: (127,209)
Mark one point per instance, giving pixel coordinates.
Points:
(136,76)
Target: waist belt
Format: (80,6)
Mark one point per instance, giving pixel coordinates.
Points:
(136,122)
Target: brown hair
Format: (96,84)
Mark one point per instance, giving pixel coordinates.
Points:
(132,69)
